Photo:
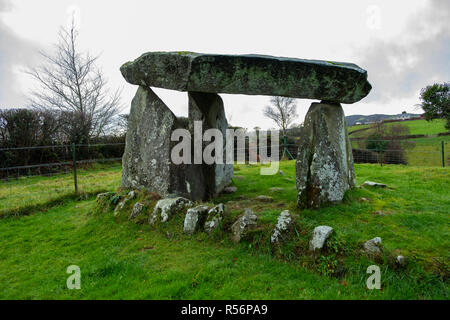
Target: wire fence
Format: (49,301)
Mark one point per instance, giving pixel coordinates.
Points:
(83,169)
(68,170)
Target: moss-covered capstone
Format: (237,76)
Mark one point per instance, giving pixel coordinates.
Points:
(249,74)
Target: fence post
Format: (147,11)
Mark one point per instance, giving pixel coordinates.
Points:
(74,156)
(286,150)
(381,158)
(443,154)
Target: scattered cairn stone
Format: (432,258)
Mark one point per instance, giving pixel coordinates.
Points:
(137,210)
(364,199)
(320,235)
(379,213)
(229,189)
(276,189)
(120,206)
(195,218)
(325,161)
(285,223)
(243,224)
(373,246)
(215,217)
(249,74)
(104,196)
(401,261)
(165,208)
(264,198)
(107,200)
(374,184)
(131,195)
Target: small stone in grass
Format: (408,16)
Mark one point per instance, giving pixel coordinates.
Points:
(320,236)
(137,210)
(264,198)
(373,246)
(229,190)
(401,261)
(374,184)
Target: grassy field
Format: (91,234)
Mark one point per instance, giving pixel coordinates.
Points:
(415,127)
(120,259)
(29,193)
(425,151)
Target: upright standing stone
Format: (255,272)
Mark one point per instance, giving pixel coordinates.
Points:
(208,109)
(146,161)
(325,161)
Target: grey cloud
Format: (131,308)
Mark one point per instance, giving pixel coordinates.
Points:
(5,5)
(398,70)
(14,51)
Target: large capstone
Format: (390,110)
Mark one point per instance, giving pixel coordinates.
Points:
(207,109)
(249,74)
(325,161)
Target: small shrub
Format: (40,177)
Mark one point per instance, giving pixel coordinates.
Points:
(328,265)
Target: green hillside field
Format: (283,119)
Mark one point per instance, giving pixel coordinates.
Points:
(415,127)
(425,151)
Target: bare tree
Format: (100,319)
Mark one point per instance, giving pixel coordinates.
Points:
(71,82)
(283,112)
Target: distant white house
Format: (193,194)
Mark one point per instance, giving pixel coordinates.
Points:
(403,116)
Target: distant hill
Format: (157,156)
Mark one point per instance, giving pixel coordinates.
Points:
(361,119)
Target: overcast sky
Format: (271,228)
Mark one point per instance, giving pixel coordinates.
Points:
(404,45)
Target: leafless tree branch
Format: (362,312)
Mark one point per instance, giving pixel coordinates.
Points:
(71,82)
(283,111)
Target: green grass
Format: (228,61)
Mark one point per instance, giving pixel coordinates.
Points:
(416,208)
(415,127)
(357,127)
(425,151)
(29,193)
(120,259)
